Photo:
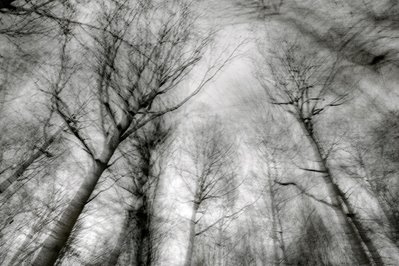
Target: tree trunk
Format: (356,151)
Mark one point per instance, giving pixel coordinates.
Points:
(121,241)
(58,237)
(279,253)
(282,242)
(220,249)
(143,234)
(24,166)
(63,226)
(352,226)
(274,223)
(191,238)
(143,217)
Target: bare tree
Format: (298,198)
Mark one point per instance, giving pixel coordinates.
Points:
(144,55)
(145,168)
(272,149)
(303,85)
(211,179)
(275,205)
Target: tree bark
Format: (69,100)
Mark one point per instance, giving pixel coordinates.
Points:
(191,238)
(357,234)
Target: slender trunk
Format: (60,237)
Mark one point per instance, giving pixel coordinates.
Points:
(120,242)
(143,234)
(191,238)
(277,230)
(149,251)
(219,249)
(143,218)
(274,223)
(24,166)
(2,100)
(64,225)
(358,237)
(282,242)
(149,204)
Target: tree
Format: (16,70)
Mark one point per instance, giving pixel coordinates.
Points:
(303,85)
(210,180)
(143,56)
(271,141)
(145,168)
(275,203)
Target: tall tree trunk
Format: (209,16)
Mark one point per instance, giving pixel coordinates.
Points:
(279,253)
(276,256)
(344,210)
(59,235)
(143,247)
(148,203)
(220,249)
(143,234)
(63,227)
(143,223)
(191,238)
(25,165)
(282,242)
(121,241)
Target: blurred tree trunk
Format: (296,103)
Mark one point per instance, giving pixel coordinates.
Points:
(63,226)
(192,234)
(304,85)
(142,217)
(276,241)
(121,240)
(343,209)
(145,180)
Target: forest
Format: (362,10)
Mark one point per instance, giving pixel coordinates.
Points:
(199,133)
